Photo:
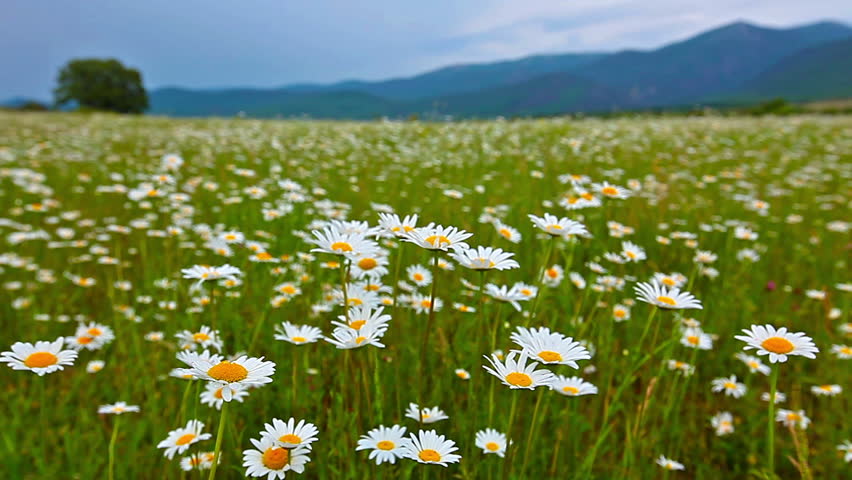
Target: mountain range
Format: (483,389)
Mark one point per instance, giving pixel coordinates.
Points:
(735,64)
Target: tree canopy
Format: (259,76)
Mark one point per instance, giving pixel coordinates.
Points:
(101,84)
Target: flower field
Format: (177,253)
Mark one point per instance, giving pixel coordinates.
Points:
(572,299)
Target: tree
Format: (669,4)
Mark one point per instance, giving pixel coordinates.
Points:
(101,84)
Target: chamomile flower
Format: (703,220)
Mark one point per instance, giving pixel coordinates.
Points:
(730,386)
(95,366)
(393,225)
(197,461)
(779,397)
(233,375)
(632,252)
(438,237)
(572,386)
(506,294)
(620,313)
(611,191)
(179,441)
(485,258)
(418,275)
(348,245)
(778,344)
(754,364)
(670,280)
(290,434)
(429,447)
(843,352)
(662,297)
(205,338)
(462,374)
(550,347)
(204,273)
(669,464)
(558,227)
(791,418)
(491,441)
(826,390)
(386,444)
(40,358)
(117,408)
(426,415)
(517,374)
(695,338)
(212,395)
(270,460)
(297,334)
(507,232)
(723,423)
(846,449)
(553,276)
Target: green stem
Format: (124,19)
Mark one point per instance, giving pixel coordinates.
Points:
(510,450)
(425,341)
(219,436)
(112,448)
(770,445)
(540,280)
(533,427)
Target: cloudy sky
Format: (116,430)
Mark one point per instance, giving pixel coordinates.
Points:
(268,43)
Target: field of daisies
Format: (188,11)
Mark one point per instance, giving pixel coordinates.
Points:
(576,299)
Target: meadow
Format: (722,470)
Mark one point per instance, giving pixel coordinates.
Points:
(116,232)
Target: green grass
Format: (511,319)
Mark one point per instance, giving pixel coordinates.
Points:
(800,165)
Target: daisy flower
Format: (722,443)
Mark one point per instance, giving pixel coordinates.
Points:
(577,280)
(611,191)
(419,275)
(553,276)
(507,232)
(517,374)
(272,461)
(438,237)
(778,344)
(205,337)
(681,367)
(723,423)
(670,280)
(779,397)
(429,447)
(95,366)
(826,390)
(846,448)
(179,441)
(491,441)
(792,418)
(349,245)
(550,347)
(632,252)
(393,225)
(558,227)
(754,364)
(346,338)
(573,386)
(730,386)
(199,461)
(695,338)
(669,464)
(485,258)
(426,415)
(297,334)
(462,374)
(658,295)
(41,358)
(386,444)
(290,434)
(212,395)
(506,294)
(620,313)
(233,375)
(204,273)
(843,352)
(117,408)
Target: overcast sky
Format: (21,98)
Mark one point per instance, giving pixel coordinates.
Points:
(268,43)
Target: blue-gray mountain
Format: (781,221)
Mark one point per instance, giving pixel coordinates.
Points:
(737,63)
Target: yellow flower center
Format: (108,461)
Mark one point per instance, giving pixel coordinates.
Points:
(429,455)
(506,233)
(519,379)
(825,388)
(793,417)
(200,337)
(587,196)
(228,372)
(666,300)
(94,332)
(692,339)
(367,263)
(40,360)
(426,303)
(554,227)
(356,301)
(275,458)
(571,390)
(360,340)
(385,445)
(609,191)
(437,241)
(264,256)
(291,439)
(619,313)
(357,324)
(341,247)
(185,439)
(730,385)
(552,273)
(217,393)
(418,277)
(630,255)
(668,281)
(753,365)
(288,289)
(492,446)
(778,345)
(299,339)
(85,340)
(550,356)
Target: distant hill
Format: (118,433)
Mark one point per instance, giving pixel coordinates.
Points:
(820,72)
(738,62)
